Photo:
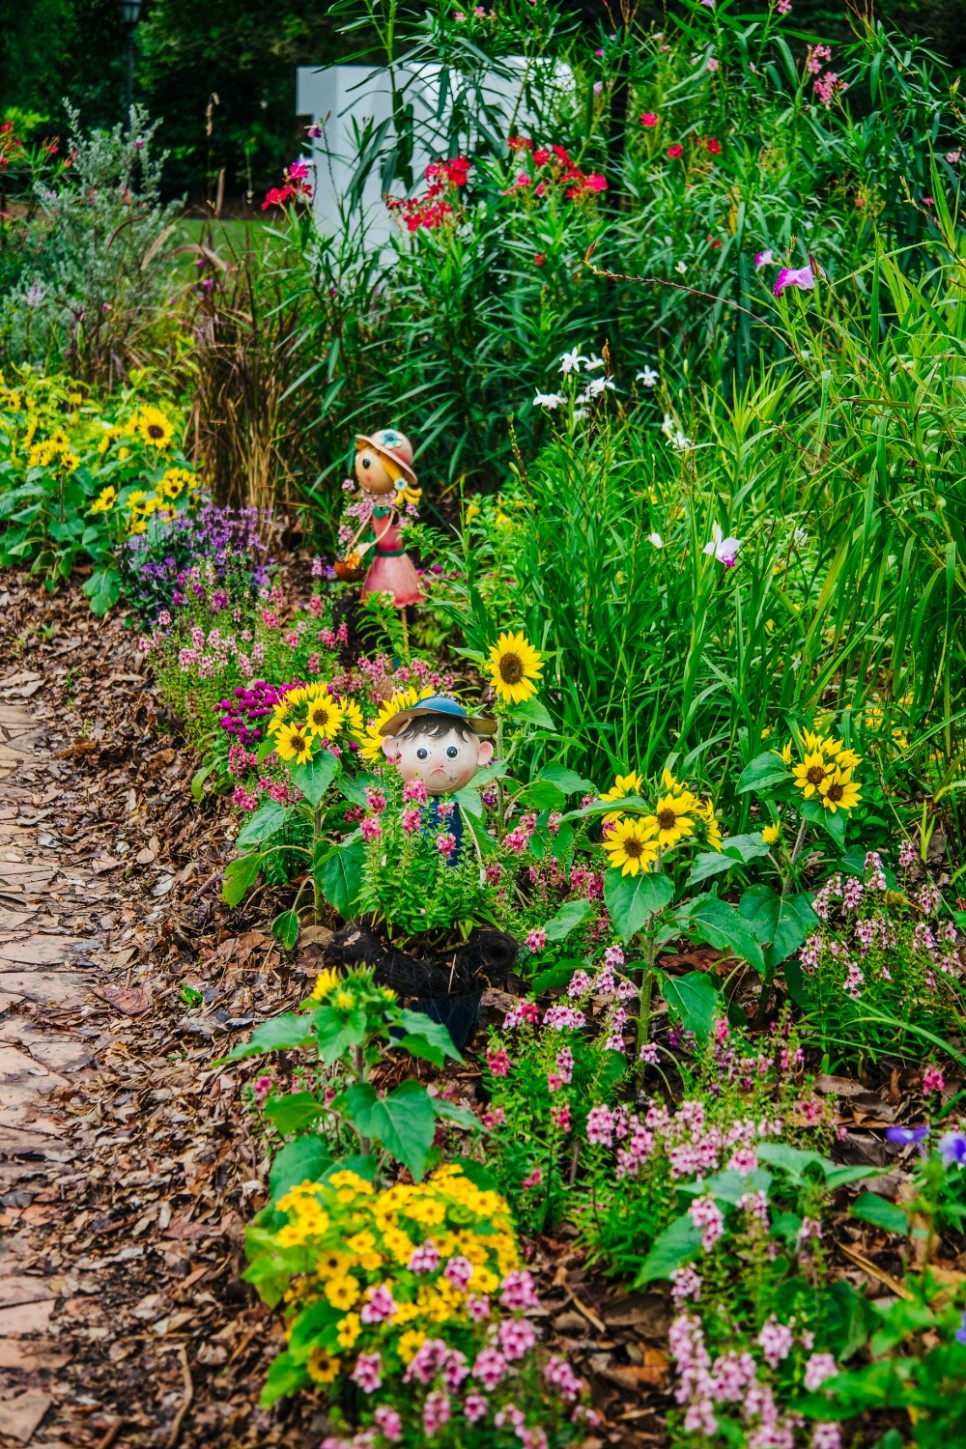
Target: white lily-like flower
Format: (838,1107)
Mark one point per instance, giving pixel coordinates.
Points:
(724,549)
(648,377)
(667,427)
(549,400)
(592,363)
(681,267)
(680,442)
(656,540)
(596,386)
(570,362)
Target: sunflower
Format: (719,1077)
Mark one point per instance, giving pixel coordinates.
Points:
(672,817)
(711,827)
(402,699)
(294,744)
(839,791)
(514,666)
(353,718)
(104,501)
(848,759)
(154,427)
(324,717)
(810,775)
(631,846)
(624,785)
(672,784)
(323,1367)
(325,982)
(785,753)
(174,481)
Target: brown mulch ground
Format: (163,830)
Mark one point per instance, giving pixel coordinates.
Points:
(154,1339)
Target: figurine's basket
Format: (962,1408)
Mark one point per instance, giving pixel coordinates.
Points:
(349,573)
(447,986)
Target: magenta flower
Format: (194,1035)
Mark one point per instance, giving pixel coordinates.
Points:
(801,277)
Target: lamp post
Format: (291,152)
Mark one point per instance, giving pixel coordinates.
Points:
(130,15)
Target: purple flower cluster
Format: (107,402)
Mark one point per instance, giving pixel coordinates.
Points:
(192,555)
(241,716)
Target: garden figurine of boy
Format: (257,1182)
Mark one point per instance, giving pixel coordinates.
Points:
(436,741)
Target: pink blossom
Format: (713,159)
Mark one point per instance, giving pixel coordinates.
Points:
(600,1126)
(415,790)
(557,1371)
(932,1080)
(425,1259)
(705,1214)
(498,1063)
(536,940)
(389,1423)
(410,820)
(533,1180)
(775,1341)
(368,1372)
(437,1411)
(489,1368)
(801,277)
(649,119)
(370,829)
(459,1271)
(379,1307)
(517,1290)
(820,1366)
(516,1337)
(475,1407)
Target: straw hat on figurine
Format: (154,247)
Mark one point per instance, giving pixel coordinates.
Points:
(392,446)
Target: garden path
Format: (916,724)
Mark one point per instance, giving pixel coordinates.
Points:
(125,1173)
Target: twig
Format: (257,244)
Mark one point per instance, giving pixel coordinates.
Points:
(107,1439)
(189,1393)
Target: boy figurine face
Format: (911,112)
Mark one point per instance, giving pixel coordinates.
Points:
(444,752)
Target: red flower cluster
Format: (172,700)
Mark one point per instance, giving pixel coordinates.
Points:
(709,143)
(425,213)
(558,169)
(296,186)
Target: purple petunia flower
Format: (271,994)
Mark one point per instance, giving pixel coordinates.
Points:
(953,1148)
(903,1136)
(960,1334)
(801,277)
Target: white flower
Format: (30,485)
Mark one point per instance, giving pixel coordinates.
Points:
(548,400)
(799,538)
(592,363)
(681,267)
(648,377)
(667,427)
(656,539)
(680,443)
(724,549)
(570,362)
(595,387)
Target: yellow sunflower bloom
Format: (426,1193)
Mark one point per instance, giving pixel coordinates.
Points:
(514,667)
(104,501)
(174,481)
(154,427)
(402,699)
(623,786)
(343,1292)
(324,717)
(325,982)
(839,791)
(711,827)
(348,1330)
(673,818)
(294,744)
(785,753)
(811,773)
(631,845)
(848,759)
(771,833)
(353,718)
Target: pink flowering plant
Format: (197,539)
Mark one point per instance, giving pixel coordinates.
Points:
(881,970)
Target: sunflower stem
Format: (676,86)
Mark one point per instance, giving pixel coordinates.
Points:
(644,996)
(500,795)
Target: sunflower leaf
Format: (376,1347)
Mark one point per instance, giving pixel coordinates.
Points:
(631,899)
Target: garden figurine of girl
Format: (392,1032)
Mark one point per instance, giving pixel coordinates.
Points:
(384,471)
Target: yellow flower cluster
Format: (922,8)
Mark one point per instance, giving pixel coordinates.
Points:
(308,713)
(140,505)
(402,699)
(353,1243)
(635,842)
(825,773)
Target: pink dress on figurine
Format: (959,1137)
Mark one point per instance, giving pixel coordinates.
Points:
(392,570)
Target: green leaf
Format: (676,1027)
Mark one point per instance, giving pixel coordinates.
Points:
(418,1024)
(557,975)
(534,713)
(469,802)
(293,1112)
(567,780)
(284,1377)
(631,899)
(305,1158)
(266,822)
(842,1176)
(695,999)
(676,1246)
(103,588)
(780,924)
(718,923)
(570,915)
(452,1112)
(881,1214)
(266,748)
(340,876)
(286,927)
(404,1121)
(315,778)
(282,1032)
(729,1186)
(708,863)
(336,1031)
(240,876)
(543,795)
(745,847)
(198,782)
(833,824)
(791,1160)
(764,771)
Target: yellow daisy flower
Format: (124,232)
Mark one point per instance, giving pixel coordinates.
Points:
(323,1367)
(672,816)
(324,983)
(353,718)
(631,845)
(174,481)
(104,501)
(402,699)
(514,667)
(771,833)
(711,827)
(348,1330)
(294,744)
(343,1292)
